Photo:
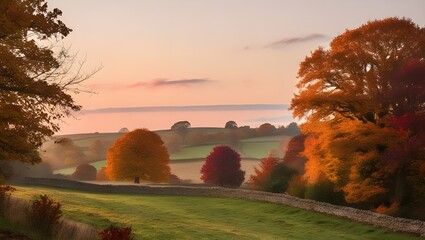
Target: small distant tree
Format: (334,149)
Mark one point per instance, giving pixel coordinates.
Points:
(138,154)
(181,128)
(231,125)
(266,129)
(181,125)
(124,130)
(84,172)
(222,167)
(292,129)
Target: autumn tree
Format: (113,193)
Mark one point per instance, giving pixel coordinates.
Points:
(353,78)
(260,180)
(35,77)
(138,154)
(222,167)
(294,156)
(272,176)
(363,102)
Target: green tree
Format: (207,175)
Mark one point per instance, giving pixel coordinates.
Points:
(34,79)
(138,154)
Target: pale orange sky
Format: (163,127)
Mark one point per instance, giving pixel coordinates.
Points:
(199,52)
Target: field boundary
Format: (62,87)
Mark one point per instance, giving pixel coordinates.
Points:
(379,220)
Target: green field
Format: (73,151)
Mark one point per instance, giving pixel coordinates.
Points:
(178,217)
(250,148)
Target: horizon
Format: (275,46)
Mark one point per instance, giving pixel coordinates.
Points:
(163,117)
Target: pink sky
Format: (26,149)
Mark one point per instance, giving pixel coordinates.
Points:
(199,52)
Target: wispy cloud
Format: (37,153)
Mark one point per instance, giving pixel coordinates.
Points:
(156,83)
(178,82)
(288,41)
(200,108)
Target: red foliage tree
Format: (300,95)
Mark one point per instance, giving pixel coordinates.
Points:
(85,172)
(222,167)
(294,156)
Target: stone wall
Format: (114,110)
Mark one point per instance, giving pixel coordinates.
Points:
(379,220)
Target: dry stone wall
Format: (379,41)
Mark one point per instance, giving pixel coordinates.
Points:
(379,220)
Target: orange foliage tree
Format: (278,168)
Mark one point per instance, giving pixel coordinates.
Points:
(35,77)
(138,154)
(352,96)
(262,174)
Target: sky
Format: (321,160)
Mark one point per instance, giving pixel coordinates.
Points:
(201,53)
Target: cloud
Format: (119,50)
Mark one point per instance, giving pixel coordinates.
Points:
(200,108)
(179,82)
(156,83)
(288,41)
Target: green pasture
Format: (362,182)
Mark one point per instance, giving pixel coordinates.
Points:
(183,217)
(256,148)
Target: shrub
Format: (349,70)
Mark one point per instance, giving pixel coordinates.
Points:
(84,172)
(44,215)
(324,192)
(261,178)
(273,175)
(116,233)
(279,178)
(297,186)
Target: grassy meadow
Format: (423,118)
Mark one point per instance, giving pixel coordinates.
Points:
(190,156)
(183,217)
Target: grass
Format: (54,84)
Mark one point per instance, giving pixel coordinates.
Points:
(191,152)
(255,148)
(182,217)
(15,228)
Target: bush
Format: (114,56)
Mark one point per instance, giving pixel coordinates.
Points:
(44,215)
(84,172)
(297,186)
(116,233)
(279,178)
(324,192)
(272,176)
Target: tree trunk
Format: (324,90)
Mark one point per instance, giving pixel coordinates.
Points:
(137,180)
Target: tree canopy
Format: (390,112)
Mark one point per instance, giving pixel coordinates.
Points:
(363,100)
(231,125)
(139,153)
(34,77)
(222,167)
(357,76)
